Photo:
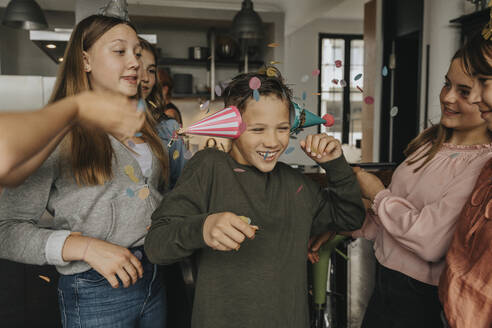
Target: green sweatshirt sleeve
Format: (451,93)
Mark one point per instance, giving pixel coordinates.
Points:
(177,224)
(340,204)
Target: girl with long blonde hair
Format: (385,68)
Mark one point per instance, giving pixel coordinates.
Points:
(101,193)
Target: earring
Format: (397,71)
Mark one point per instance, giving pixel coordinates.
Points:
(86,68)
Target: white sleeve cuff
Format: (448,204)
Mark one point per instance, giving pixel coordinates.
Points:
(54,247)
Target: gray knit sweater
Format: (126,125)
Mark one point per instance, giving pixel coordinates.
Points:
(113,212)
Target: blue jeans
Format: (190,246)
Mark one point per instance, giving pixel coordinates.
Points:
(87,300)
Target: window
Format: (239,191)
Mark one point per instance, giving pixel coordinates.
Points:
(342,101)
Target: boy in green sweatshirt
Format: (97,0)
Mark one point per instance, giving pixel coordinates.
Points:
(252,273)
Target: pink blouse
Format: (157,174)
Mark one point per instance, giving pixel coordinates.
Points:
(415,217)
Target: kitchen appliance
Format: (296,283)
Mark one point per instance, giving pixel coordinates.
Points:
(198,53)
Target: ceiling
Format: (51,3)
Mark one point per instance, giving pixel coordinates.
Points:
(297,12)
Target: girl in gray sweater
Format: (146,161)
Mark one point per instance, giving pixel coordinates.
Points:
(100,192)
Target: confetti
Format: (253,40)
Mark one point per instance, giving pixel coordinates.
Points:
(245,219)
(131,144)
(369,100)
(242,127)
(338,63)
(334,81)
(138,134)
(289,150)
(266,155)
(360,89)
(176,154)
(254,83)
(144,193)
(256,95)
(304,95)
(394,111)
(305,78)
(188,154)
(238,170)
(299,189)
(274,62)
(385,71)
(357,77)
(130,193)
(316,93)
(271,72)
(138,254)
(205,105)
(454,155)
(343,83)
(273,45)
(218,90)
(316,72)
(141,106)
(47,279)
(130,171)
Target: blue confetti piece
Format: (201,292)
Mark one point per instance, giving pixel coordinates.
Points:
(385,71)
(454,155)
(256,94)
(289,150)
(304,95)
(266,155)
(141,106)
(138,134)
(357,77)
(130,193)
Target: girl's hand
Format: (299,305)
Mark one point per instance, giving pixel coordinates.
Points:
(226,231)
(113,113)
(370,184)
(315,244)
(109,260)
(321,147)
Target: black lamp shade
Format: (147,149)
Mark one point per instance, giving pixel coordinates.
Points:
(24,14)
(247,24)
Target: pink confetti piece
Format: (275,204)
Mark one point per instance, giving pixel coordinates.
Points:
(238,170)
(254,83)
(242,127)
(369,100)
(343,83)
(316,72)
(299,189)
(338,63)
(334,81)
(360,89)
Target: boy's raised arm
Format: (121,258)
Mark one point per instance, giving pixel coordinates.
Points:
(341,207)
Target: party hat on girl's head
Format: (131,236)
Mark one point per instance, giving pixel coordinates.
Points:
(116,8)
(226,123)
(302,118)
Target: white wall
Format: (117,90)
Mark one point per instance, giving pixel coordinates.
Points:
(301,58)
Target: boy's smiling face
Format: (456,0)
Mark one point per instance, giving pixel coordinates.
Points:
(267,133)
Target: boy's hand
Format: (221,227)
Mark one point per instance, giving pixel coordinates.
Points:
(321,147)
(226,231)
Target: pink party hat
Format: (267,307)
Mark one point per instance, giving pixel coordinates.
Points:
(226,123)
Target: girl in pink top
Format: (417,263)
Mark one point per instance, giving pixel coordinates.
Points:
(413,220)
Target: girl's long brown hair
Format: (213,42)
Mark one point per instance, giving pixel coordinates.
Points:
(155,100)
(90,150)
(435,136)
